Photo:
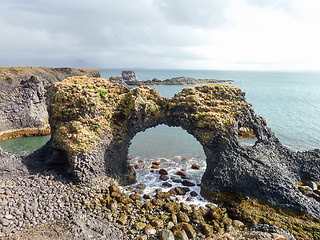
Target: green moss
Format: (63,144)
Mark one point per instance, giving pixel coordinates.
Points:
(253,212)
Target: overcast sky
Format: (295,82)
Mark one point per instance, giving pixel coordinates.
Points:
(168,34)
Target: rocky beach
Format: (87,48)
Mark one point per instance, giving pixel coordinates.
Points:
(75,187)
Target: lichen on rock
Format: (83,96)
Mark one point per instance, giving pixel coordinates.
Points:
(93,122)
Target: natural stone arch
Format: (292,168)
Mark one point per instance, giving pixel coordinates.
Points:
(94,120)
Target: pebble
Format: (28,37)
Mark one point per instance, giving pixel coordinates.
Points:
(163,172)
(195,166)
(163,177)
(166,235)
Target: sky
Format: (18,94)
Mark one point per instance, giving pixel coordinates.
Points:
(161,34)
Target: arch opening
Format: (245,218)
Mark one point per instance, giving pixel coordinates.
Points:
(168,158)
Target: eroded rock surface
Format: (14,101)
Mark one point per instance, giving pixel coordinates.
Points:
(23,110)
(94,120)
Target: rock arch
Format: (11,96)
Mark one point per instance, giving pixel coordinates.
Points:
(93,121)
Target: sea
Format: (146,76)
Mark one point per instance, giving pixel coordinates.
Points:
(289,101)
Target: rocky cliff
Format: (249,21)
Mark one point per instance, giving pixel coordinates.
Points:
(93,122)
(23,110)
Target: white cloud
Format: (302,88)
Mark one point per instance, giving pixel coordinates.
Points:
(211,34)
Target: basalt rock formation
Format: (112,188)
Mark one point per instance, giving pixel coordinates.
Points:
(93,121)
(179,81)
(129,76)
(23,110)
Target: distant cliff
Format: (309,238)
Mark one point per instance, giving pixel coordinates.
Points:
(11,77)
(23,111)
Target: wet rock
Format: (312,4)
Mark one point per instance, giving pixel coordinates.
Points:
(141,186)
(188,183)
(193,194)
(182,217)
(163,172)
(163,177)
(166,235)
(180,173)
(195,166)
(157,202)
(186,227)
(176,179)
(185,208)
(172,207)
(179,191)
(156,163)
(167,184)
(114,188)
(135,196)
(155,166)
(147,196)
(138,166)
(196,217)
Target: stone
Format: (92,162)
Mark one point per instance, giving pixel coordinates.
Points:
(180,235)
(193,194)
(5,222)
(182,217)
(172,207)
(206,230)
(129,77)
(180,173)
(123,219)
(196,217)
(163,177)
(157,223)
(186,227)
(114,188)
(147,206)
(139,225)
(147,196)
(163,172)
(156,163)
(138,166)
(185,208)
(135,196)
(167,184)
(166,235)
(157,202)
(179,191)
(195,166)
(149,230)
(187,183)
(155,166)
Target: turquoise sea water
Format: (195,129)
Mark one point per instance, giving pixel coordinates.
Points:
(290,102)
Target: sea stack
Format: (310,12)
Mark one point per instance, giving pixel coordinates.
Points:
(129,76)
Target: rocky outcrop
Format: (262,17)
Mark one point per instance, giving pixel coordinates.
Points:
(23,110)
(179,81)
(118,80)
(93,122)
(11,77)
(129,76)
